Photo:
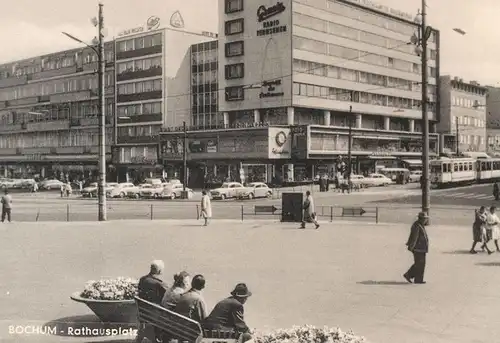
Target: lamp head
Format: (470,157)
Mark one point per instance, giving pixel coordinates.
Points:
(414,39)
(418,18)
(94,21)
(418,50)
(95,41)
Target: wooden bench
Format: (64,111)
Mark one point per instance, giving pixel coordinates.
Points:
(180,328)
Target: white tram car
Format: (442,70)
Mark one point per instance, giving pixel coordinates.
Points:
(464,171)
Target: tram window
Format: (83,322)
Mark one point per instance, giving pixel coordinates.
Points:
(448,165)
(483,166)
(496,166)
(489,165)
(445,168)
(455,167)
(471,166)
(460,167)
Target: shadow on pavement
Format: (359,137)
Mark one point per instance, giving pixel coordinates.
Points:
(488,264)
(88,326)
(383,283)
(457,252)
(128,340)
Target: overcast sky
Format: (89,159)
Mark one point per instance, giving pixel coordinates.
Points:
(32,27)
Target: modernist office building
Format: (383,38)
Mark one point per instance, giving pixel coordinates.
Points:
(493,121)
(48,113)
(463,115)
(325,63)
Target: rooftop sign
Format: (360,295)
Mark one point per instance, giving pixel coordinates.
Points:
(151,24)
(382,8)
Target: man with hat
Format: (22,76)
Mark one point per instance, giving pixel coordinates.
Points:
(418,244)
(227,315)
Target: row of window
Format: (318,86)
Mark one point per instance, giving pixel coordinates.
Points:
(467,88)
(140,87)
(325,70)
(56,62)
(139,65)
(202,57)
(233,27)
(129,154)
(323,48)
(203,78)
(232,6)
(494,140)
(205,99)
(361,97)
(139,131)
(355,34)
(233,49)
(470,139)
(75,84)
(465,102)
(138,109)
(139,43)
(234,71)
(207,119)
(54,139)
(467,121)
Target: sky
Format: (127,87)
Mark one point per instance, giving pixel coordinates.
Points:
(32,27)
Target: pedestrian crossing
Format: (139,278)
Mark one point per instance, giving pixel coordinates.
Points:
(465,195)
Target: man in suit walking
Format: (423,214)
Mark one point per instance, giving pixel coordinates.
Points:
(7,206)
(418,244)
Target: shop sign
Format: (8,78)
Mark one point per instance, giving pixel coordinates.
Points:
(270,89)
(35,157)
(142,160)
(272,26)
(152,23)
(280,140)
(209,34)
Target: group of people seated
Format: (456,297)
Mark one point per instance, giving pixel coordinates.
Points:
(185,298)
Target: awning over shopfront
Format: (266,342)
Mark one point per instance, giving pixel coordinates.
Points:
(413,162)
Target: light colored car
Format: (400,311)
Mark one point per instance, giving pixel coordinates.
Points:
(135,192)
(227,190)
(173,191)
(51,184)
(110,186)
(90,191)
(7,183)
(376,180)
(358,181)
(415,176)
(152,192)
(120,190)
(153,181)
(255,190)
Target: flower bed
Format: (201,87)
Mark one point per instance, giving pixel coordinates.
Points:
(308,334)
(112,289)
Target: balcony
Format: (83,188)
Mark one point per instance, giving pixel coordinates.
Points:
(70,97)
(139,96)
(54,72)
(143,118)
(89,121)
(137,139)
(48,126)
(25,101)
(139,74)
(14,81)
(44,98)
(90,67)
(139,52)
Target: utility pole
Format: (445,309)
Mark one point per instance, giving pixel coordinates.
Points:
(102,121)
(456,139)
(349,151)
(184,159)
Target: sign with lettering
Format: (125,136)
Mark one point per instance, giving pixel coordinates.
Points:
(152,23)
(382,8)
(270,89)
(209,34)
(271,26)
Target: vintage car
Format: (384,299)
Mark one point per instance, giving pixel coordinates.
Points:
(255,190)
(120,190)
(90,191)
(51,185)
(153,192)
(227,190)
(173,191)
(135,192)
(375,180)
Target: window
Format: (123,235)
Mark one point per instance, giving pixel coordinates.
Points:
(234,93)
(233,27)
(234,71)
(234,49)
(233,6)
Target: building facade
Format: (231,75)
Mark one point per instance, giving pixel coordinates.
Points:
(493,121)
(463,115)
(49,114)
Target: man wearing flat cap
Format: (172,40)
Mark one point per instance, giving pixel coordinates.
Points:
(418,244)
(227,315)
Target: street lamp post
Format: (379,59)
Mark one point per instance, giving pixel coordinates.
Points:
(102,215)
(349,151)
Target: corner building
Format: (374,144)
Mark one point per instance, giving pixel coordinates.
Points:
(322,64)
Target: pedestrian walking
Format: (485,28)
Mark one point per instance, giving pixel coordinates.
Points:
(418,245)
(6,206)
(206,207)
(492,227)
(80,186)
(63,189)
(309,215)
(496,191)
(479,229)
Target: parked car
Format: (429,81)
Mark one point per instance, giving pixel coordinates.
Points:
(227,190)
(90,191)
(135,192)
(255,190)
(120,190)
(51,185)
(173,191)
(152,192)
(7,183)
(153,181)
(376,180)
(415,176)
(358,181)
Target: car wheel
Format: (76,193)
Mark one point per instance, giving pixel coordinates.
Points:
(172,197)
(137,196)
(122,195)
(251,196)
(222,197)
(269,195)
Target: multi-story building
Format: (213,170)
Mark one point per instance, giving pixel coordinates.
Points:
(493,121)
(49,114)
(153,80)
(323,64)
(463,115)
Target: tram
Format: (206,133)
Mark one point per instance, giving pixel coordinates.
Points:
(464,171)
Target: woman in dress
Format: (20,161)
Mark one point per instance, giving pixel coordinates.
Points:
(478,229)
(206,207)
(492,228)
(182,282)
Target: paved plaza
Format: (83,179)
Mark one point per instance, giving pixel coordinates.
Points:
(345,274)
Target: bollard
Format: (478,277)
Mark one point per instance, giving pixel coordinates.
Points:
(67,212)
(331,213)
(151,211)
(242,213)
(376,215)
(197,212)
(37,215)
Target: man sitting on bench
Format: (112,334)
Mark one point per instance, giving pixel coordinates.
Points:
(227,315)
(191,304)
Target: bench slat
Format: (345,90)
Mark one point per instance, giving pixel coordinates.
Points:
(176,328)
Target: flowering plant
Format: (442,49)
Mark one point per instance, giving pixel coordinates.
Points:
(308,334)
(113,289)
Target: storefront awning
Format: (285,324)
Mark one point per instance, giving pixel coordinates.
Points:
(413,162)
(381,157)
(380,138)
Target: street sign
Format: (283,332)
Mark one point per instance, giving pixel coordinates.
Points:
(352,211)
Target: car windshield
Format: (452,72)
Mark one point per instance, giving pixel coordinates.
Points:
(226,185)
(146,186)
(94,184)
